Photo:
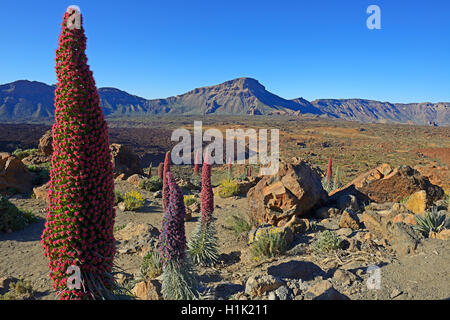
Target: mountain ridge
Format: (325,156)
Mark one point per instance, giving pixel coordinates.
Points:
(24,99)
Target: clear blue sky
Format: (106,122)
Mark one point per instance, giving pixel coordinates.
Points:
(314,49)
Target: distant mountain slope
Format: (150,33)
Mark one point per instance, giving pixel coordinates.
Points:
(376,111)
(34,100)
(238,96)
(26,99)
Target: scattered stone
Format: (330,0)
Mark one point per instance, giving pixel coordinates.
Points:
(417,202)
(443,235)
(258,285)
(121,206)
(294,190)
(395,293)
(344,277)
(399,184)
(346,232)
(297,225)
(45,144)
(349,220)
(347,201)
(330,224)
(41,192)
(135,179)
(326,212)
(283,293)
(14,174)
(148,290)
(324,290)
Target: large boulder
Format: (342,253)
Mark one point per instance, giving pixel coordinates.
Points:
(125,161)
(294,190)
(45,144)
(14,174)
(384,184)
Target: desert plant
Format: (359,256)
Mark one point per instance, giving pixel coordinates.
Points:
(432,221)
(179,281)
(165,187)
(238,224)
(22,154)
(189,200)
(202,245)
(133,200)
(149,171)
(155,183)
(228,188)
(329,185)
(12,218)
(151,266)
(327,241)
(80,219)
(268,243)
(160,170)
(19,290)
(197,163)
(118,197)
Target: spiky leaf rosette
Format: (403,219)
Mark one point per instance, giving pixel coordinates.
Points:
(179,281)
(165,189)
(80,218)
(172,239)
(202,246)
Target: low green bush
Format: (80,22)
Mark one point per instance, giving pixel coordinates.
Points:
(21,154)
(228,188)
(327,241)
(12,218)
(152,184)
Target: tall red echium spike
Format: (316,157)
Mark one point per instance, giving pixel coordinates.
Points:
(206,194)
(160,170)
(196,163)
(329,171)
(78,232)
(165,188)
(249,172)
(172,239)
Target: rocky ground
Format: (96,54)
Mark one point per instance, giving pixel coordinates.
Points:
(380,255)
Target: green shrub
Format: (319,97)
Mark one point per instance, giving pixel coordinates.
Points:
(151,266)
(21,154)
(268,242)
(190,199)
(228,188)
(41,172)
(433,221)
(238,224)
(329,186)
(118,197)
(19,290)
(133,200)
(154,183)
(13,219)
(327,241)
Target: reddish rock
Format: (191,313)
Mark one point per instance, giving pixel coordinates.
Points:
(45,144)
(14,174)
(42,192)
(383,184)
(293,191)
(125,161)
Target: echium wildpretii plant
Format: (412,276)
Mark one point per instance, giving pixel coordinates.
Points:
(328,184)
(165,188)
(202,245)
(179,281)
(80,219)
